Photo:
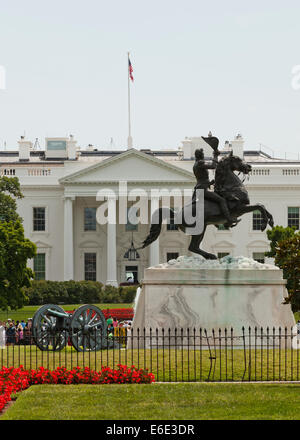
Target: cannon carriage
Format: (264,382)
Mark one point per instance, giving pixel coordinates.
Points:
(85,328)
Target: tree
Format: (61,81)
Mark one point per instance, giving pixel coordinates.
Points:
(15,249)
(9,188)
(277,234)
(287,257)
(285,249)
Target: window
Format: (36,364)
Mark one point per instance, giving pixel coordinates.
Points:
(90,219)
(257,220)
(130,226)
(172,226)
(222,254)
(39,266)
(293,217)
(259,256)
(90,270)
(131,274)
(39,219)
(172,255)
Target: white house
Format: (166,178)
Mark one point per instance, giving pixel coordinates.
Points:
(61,183)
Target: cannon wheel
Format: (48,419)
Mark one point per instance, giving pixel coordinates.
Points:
(44,333)
(88,328)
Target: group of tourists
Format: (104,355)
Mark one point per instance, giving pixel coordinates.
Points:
(19,332)
(15,332)
(113,323)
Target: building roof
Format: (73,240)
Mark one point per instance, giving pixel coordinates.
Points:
(11,157)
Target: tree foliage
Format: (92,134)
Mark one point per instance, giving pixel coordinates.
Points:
(9,191)
(285,249)
(277,234)
(15,249)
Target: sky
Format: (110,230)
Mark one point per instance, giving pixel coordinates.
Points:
(198,66)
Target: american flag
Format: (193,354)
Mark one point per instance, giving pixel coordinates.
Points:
(130,70)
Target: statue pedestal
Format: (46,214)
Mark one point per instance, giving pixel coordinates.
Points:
(192,293)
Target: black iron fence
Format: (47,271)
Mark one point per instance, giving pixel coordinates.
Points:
(177,355)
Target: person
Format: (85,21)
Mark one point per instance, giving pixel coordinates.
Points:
(23,323)
(115,322)
(200,170)
(20,333)
(109,320)
(2,335)
(11,334)
(27,335)
(128,331)
(110,330)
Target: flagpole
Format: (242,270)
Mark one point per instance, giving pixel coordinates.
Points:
(129,140)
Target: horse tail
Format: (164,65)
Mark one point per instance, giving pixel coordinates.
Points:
(157,218)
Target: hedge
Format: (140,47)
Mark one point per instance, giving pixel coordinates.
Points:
(76,292)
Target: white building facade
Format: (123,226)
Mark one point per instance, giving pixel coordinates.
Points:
(61,196)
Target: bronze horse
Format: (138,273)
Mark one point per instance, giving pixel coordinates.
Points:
(228,185)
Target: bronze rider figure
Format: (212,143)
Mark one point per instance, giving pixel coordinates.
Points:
(200,170)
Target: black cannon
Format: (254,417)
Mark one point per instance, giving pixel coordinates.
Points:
(85,328)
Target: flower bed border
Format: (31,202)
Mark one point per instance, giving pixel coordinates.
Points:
(13,380)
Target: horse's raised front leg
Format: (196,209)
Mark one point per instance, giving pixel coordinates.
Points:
(270,218)
(266,216)
(195,247)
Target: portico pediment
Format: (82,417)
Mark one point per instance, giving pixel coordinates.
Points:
(133,166)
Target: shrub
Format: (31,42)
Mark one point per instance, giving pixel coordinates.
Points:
(75,291)
(110,294)
(127,293)
(64,292)
(43,292)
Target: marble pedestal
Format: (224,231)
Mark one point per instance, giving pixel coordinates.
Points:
(192,293)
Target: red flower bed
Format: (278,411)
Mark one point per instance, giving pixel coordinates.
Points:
(122,313)
(13,380)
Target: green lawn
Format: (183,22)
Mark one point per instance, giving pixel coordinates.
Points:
(157,402)
(28,311)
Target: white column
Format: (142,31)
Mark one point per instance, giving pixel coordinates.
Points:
(68,239)
(154,247)
(111,277)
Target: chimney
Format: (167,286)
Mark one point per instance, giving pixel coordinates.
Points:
(237,146)
(24,149)
(187,148)
(227,146)
(191,144)
(71,148)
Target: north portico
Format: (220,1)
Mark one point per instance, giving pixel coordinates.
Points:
(127,173)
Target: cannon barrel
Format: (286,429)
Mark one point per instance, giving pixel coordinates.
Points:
(58,314)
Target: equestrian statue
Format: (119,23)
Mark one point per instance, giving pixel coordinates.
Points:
(222,206)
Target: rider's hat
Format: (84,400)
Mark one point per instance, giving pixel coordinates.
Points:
(212,141)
